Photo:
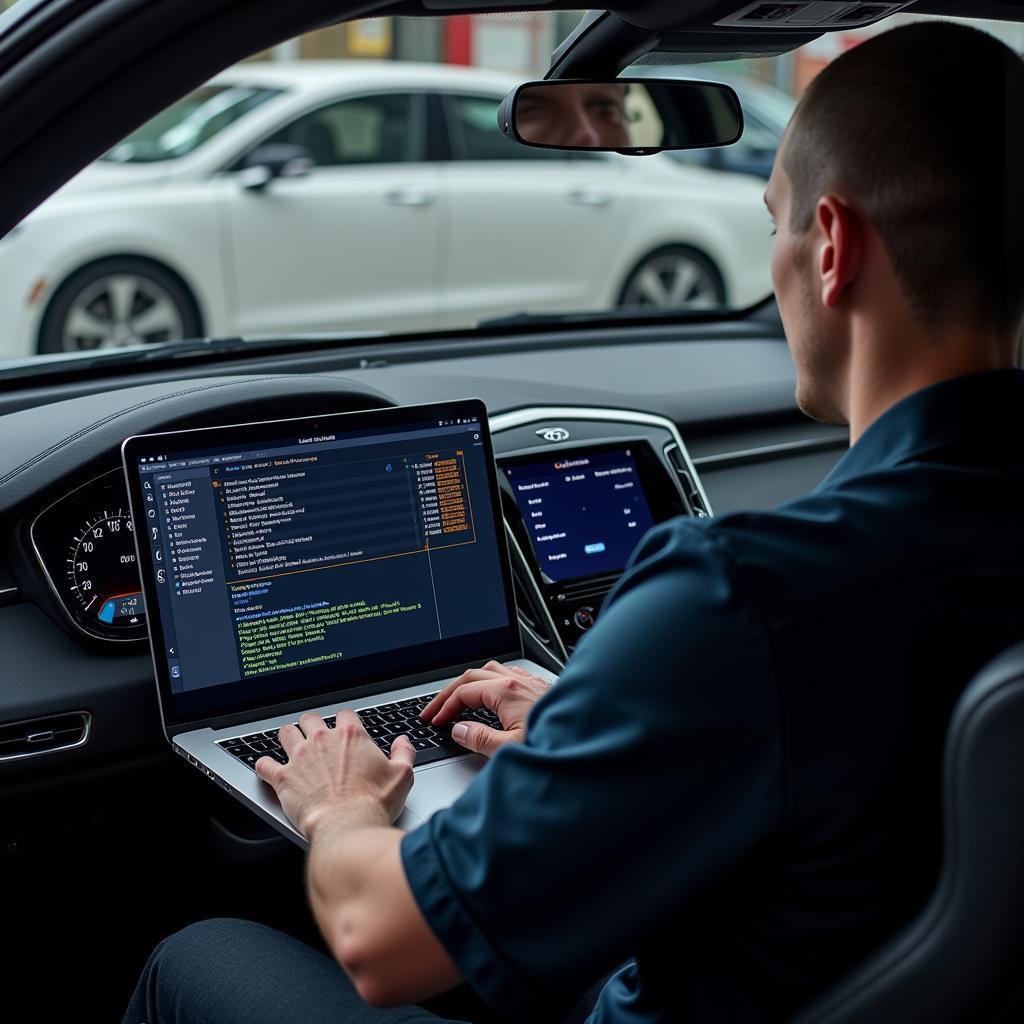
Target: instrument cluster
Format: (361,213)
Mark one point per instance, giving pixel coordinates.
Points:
(86,547)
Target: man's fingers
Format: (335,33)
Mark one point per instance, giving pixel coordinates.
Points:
(289,737)
(310,722)
(268,770)
(348,722)
(469,695)
(491,670)
(469,676)
(402,750)
(480,738)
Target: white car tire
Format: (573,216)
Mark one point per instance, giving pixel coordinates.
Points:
(674,277)
(116,302)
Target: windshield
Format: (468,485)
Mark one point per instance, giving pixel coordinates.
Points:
(355,181)
(187,124)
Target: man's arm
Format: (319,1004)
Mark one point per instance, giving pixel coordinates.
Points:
(367,914)
(343,793)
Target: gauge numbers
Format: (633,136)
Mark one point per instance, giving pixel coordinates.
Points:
(102,574)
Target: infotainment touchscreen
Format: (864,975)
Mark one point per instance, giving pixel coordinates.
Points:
(584,511)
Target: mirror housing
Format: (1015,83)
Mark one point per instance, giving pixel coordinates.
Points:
(275,160)
(634,116)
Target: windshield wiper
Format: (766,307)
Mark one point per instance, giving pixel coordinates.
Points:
(169,351)
(639,313)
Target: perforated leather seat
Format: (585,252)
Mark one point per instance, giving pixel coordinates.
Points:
(958,960)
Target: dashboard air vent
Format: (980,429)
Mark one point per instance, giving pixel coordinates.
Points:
(46,735)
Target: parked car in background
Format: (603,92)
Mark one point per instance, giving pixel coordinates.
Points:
(248,207)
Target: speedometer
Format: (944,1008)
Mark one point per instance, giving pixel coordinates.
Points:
(86,547)
(102,573)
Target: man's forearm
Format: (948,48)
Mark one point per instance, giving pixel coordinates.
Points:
(336,871)
(365,910)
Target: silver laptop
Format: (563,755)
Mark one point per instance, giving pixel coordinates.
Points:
(356,560)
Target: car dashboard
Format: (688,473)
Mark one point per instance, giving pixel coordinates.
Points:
(692,427)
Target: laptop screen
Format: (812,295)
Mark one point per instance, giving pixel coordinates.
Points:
(321,556)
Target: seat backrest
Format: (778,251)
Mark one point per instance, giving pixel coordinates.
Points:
(953,962)
(317,137)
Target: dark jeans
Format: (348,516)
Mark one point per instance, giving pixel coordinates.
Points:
(228,971)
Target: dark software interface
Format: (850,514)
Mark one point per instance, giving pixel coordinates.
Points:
(320,551)
(585,512)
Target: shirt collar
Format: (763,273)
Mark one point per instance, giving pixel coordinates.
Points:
(978,405)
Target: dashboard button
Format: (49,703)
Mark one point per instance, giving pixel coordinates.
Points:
(584,617)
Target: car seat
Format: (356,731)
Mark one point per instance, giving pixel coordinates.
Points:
(957,961)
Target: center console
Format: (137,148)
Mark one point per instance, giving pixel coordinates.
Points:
(580,488)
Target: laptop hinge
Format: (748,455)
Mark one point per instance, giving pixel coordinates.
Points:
(254,714)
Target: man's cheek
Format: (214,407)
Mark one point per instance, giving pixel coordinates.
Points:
(778,271)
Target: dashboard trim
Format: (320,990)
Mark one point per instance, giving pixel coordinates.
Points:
(534,414)
(53,587)
(560,652)
(771,451)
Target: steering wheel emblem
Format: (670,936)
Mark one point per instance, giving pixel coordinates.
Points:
(553,433)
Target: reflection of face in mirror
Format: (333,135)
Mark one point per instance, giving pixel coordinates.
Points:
(587,116)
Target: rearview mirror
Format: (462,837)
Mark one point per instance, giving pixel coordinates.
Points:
(625,115)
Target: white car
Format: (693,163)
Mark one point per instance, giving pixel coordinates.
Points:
(249,207)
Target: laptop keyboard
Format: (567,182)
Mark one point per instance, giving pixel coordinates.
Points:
(383,723)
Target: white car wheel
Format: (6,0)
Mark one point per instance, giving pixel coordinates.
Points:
(117,303)
(675,278)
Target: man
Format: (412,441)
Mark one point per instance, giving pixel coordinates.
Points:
(734,786)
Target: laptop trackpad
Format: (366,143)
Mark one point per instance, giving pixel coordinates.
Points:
(438,786)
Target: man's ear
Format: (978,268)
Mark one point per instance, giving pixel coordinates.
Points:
(841,248)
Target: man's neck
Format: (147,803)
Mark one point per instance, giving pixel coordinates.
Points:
(884,368)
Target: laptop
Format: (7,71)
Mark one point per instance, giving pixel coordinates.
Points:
(355,560)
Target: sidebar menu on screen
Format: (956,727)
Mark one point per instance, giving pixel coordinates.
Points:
(184,534)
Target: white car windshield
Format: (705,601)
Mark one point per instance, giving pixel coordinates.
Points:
(187,124)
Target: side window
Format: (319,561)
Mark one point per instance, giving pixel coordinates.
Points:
(363,130)
(473,123)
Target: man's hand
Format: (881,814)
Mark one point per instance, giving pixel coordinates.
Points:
(506,690)
(338,773)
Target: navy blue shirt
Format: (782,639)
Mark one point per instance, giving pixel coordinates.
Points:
(734,786)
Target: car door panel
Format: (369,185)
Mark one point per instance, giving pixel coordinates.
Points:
(504,204)
(352,245)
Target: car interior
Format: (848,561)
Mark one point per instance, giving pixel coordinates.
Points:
(109,839)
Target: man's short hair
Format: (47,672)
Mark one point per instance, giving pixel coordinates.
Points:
(922,127)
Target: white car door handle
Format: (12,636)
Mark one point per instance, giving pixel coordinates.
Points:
(589,197)
(409,197)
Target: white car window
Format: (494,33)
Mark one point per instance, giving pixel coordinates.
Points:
(473,125)
(186,125)
(363,130)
